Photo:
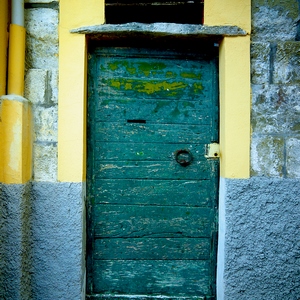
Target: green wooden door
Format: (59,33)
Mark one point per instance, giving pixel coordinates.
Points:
(152,194)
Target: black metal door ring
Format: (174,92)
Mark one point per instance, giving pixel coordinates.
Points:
(184,157)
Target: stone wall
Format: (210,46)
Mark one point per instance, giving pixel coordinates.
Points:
(41,84)
(275,63)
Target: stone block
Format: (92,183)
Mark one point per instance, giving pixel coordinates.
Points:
(36,81)
(45,162)
(40,1)
(274,20)
(275,109)
(41,86)
(41,38)
(267,156)
(53,86)
(260,63)
(45,123)
(287,63)
(293,157)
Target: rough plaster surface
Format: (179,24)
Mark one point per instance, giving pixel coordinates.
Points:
(15,246)
(57,240)
(41,241)
(262,239)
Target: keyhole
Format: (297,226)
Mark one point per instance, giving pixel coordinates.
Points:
(137,121)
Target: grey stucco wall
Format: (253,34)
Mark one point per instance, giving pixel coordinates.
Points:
(262,245)
(42,241)
(15,246)
(58,243)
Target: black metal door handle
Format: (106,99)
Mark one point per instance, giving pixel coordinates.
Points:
(184,157)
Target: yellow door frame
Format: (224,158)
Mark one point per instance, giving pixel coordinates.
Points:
(234,80)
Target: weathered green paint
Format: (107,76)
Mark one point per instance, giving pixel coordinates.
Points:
(155,78)
(147,68)
(149,248)
(155,170)
(196,193)
(190,75)
(141,67)
(165,133)
(152,249)
(158,111)
(140,297)
(178,277)
(148,87)
(152,222)
(145,152)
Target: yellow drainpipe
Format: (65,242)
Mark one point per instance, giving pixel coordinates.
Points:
(3,66)
(16,53)
(16,115)
(3,44)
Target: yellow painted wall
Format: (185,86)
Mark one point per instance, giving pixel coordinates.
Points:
(234,86)
(228,12)
(234,79)
(234,72)
(72,86)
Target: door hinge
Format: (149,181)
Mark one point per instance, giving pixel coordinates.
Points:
(212,150)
